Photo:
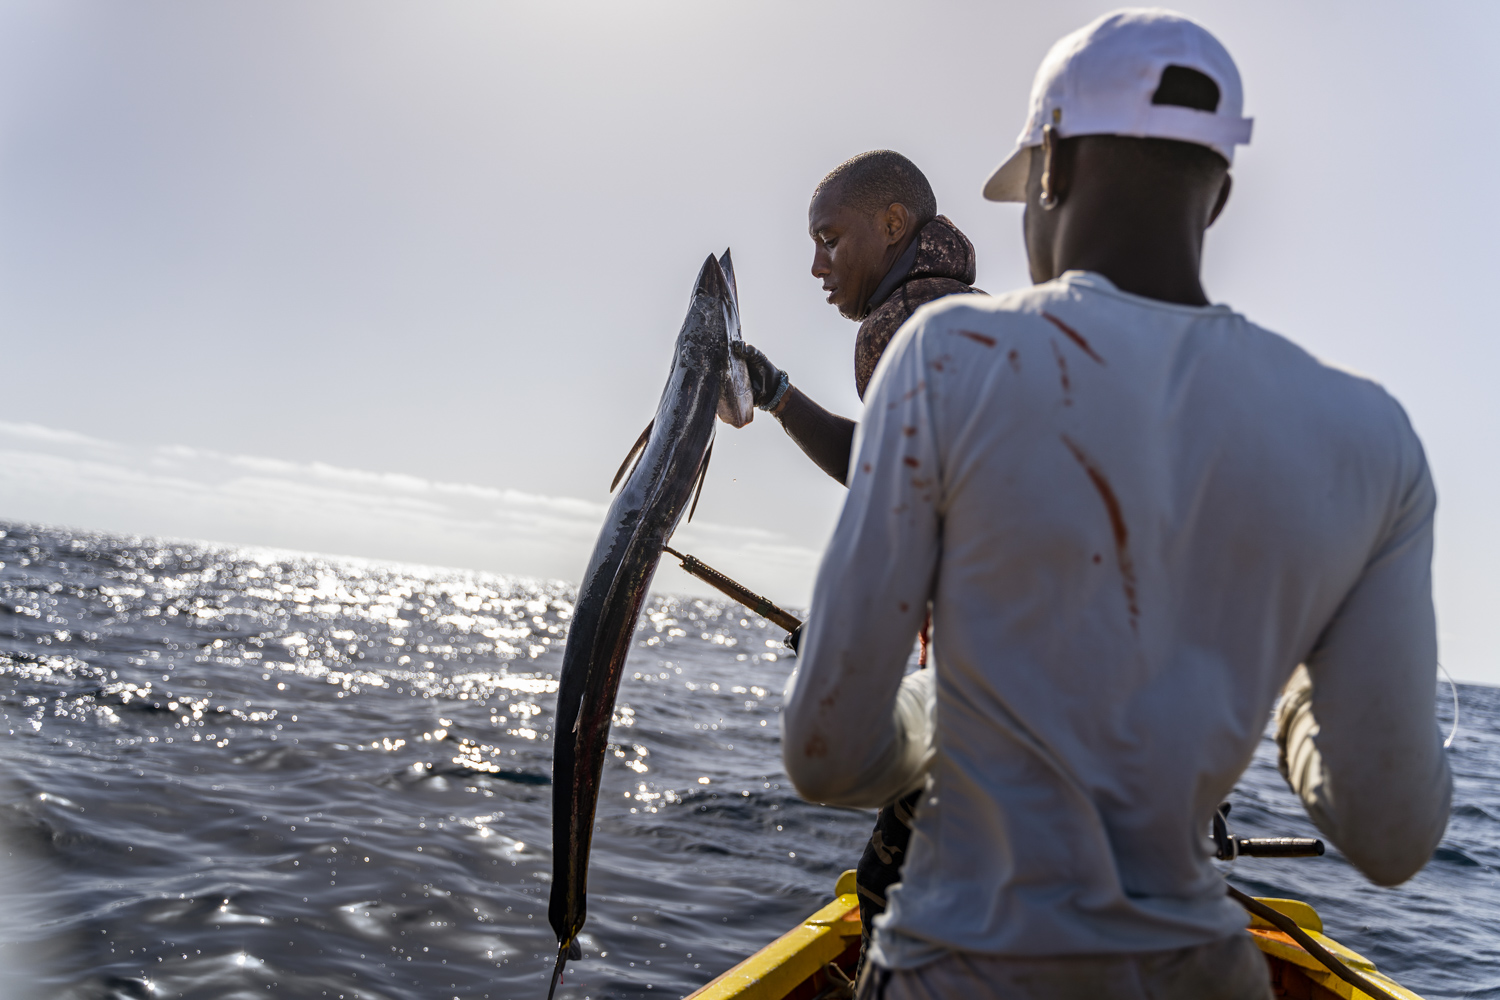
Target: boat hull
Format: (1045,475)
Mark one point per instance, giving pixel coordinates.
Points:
(795,965)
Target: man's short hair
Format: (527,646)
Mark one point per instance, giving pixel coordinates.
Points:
(873,181)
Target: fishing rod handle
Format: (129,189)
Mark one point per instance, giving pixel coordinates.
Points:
(1279,847)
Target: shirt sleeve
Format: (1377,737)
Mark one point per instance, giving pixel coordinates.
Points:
(1355,728)
(853,733)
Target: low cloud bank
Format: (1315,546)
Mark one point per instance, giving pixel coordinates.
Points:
(58,477)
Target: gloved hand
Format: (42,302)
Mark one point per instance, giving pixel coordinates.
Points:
(767,382)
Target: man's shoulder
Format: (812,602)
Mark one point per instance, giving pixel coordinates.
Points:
(995,313)
(877,329)
(1060,306)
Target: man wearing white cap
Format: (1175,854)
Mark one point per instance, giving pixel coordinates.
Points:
(1138,518)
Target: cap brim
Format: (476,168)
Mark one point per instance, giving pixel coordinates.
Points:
(1008,182)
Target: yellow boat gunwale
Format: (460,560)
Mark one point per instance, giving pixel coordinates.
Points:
(791,960)
(796,956)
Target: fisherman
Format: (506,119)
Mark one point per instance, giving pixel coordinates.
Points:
(881,251)
(1137,517)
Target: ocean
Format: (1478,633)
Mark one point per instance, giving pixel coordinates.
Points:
(239,773)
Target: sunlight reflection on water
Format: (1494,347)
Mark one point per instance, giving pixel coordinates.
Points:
(233,773)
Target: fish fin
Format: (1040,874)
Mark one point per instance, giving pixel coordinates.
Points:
(640,443)
(702,475)
(562,959)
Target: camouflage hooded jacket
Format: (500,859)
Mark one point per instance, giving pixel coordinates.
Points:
(939,262)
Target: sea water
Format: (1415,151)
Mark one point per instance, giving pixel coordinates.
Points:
(239,773)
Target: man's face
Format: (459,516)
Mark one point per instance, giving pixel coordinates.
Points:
(849,254)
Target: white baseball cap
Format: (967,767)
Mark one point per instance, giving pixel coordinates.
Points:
(1101,79)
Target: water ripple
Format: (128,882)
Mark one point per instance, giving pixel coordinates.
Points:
(233,772)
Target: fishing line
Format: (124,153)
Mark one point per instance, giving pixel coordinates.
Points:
(1453,689)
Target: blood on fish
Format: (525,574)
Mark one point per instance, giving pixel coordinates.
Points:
(1117,526)
(816,746)
(1072,335)
(905,606)
(978,338)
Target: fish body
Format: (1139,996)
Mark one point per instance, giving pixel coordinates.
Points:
(706,380)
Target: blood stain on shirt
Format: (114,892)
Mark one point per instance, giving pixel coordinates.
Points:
(978,338)
(909,395)
(1014,357)
(1117,526)
(1072,335)
(867,467)
(909,431)
(909,460)
(905,607)
(1062,371)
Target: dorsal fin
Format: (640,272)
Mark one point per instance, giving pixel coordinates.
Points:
(639,446)
(702,475)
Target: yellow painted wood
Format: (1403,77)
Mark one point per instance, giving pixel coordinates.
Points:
(1302,915)
(1289,951)
(780,966)
(1334,984)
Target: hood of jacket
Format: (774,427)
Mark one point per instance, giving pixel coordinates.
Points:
(939,262)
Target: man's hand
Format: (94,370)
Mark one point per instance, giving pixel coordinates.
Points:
(767,382)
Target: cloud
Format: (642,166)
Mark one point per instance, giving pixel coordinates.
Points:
(58,477)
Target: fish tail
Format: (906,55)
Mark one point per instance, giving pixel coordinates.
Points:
(562,959)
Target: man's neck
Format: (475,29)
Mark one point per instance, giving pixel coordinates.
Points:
(900,257)
(1146,278)
(1139,256)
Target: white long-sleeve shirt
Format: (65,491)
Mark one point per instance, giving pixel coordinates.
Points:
(1133,520)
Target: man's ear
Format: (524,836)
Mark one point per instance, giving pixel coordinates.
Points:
(896,223)
(1223,199)
(1054,172)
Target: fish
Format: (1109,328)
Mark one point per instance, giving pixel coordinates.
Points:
(662,477)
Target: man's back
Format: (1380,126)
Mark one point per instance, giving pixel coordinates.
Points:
(1136,519)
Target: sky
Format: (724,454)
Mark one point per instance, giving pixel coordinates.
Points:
(401,280)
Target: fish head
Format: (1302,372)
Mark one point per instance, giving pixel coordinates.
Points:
(736,401)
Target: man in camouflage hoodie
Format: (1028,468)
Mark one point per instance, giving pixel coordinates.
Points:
(881,251)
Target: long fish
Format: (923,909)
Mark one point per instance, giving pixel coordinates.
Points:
(707,379)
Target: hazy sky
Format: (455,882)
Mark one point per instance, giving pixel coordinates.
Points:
(401,279)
